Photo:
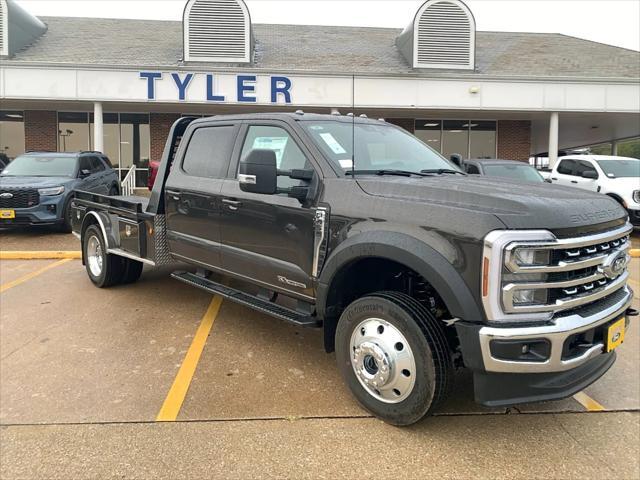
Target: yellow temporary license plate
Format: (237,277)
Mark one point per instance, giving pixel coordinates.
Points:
(7,214)
(615,334)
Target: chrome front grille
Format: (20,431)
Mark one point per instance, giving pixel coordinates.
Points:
(579,271)
(535,276)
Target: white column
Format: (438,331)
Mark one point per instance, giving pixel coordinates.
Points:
(553,139)
(98,127)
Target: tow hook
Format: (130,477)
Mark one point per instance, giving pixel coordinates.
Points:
(631,312)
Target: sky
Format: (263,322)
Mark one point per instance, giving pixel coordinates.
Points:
(615,22)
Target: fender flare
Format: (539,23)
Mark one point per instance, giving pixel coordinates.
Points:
(408,251)
(103,220)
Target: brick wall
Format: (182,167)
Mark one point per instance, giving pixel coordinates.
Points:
(40,130)
(407,123)
(514,139)
(159,126)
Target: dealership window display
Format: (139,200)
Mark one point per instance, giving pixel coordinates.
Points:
(469,138)
(11,133)
(126,139)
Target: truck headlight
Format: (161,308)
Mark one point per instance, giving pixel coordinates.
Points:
(530,297)
(636,196)
(531,256)
(50,191)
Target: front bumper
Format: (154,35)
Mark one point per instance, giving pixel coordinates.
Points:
(574,354)
(47,212)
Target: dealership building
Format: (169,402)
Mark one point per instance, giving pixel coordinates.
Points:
(116,85)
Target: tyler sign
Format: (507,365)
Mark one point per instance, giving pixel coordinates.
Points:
(217,88)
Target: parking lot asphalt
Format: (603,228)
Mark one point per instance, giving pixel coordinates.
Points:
(85,372)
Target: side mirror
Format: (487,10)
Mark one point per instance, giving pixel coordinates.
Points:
(591,174)
(548,180)
(84,173)
(457,159)
(259,172)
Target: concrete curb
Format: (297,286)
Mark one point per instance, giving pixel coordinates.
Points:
(39,255)
(635,252)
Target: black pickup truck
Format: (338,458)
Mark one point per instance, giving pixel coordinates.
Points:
(412,268)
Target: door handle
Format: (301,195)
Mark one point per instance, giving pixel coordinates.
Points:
(554,178)
(232,204)
(176,197)
(574,181)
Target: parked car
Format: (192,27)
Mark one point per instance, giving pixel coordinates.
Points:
(618,177)
(411,267)
(36,188)
(511,169)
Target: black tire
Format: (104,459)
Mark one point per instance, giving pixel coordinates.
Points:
(426,338)
(112,268)
(65,226)
(114,191)
(132,270)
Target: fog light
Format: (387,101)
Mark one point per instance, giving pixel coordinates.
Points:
(535,350)
(529,297)
(51,208)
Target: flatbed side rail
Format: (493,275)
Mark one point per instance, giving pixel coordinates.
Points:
(113,205)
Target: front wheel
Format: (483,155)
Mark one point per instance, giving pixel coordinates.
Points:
(394,356)
(104,269)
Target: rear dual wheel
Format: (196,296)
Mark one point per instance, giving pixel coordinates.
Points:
(394,356)
(105,269)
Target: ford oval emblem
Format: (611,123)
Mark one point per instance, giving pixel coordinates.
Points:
(615,264)
(6,195)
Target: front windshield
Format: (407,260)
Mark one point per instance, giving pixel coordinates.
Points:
(524,173)
(41,166)
(378,147)
(628,167)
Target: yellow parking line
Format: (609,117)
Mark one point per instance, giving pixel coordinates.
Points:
(29,276)
(587,402)
(635,252)
(172,404)
(38,255)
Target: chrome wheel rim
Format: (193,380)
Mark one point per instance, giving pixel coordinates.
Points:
(382,360)
(94,256)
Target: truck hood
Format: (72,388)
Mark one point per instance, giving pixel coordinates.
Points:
(35,182)
(518,205)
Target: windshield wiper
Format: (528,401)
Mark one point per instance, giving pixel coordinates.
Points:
(400,173)
(441,171)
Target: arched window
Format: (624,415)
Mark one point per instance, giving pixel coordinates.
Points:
(217,31)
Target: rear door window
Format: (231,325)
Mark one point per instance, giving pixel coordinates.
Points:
(209,151)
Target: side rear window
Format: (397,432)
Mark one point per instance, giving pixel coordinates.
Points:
(566,167)
(106,161)
(209,152)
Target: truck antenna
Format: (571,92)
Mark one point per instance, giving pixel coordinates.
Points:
(353,127)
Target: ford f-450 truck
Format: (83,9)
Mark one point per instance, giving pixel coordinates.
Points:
(412,268)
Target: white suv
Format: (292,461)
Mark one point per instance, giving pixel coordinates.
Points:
(618,177)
